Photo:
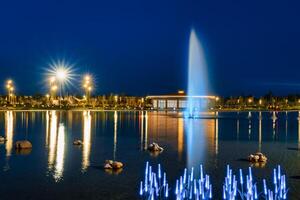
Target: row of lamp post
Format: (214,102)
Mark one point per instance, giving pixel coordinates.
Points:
(10,90)
(56,83)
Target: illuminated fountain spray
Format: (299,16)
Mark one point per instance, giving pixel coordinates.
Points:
(235,187)
(197,75)
(244,187)
(155,185)
(189,187)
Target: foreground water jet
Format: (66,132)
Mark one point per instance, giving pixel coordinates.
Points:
(197,75)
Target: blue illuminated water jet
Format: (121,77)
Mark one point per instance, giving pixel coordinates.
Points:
(197,75)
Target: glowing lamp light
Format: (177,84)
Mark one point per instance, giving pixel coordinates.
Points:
(61,74)
(54,88)
(87,77)
(52,79)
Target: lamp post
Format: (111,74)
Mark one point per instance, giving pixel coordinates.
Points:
(61,75)
(10,90)
(52,86)
(87,86)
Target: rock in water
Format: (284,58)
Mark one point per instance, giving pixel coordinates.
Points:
(110,164)
(78,142)
(257,157)
(154,147)
(117,165)
(23,144)
(2,139)
(107,166)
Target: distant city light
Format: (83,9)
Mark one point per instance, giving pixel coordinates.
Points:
(87,84)
(60,72)
(54,88)
(10,89)
(52,79)
(87,77)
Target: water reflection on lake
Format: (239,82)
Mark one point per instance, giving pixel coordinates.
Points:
(56,169)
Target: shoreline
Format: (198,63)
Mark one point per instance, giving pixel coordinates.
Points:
(134,110)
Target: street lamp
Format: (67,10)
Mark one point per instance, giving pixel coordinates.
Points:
(87,86)
(10,90)
(52,86)
(61,76)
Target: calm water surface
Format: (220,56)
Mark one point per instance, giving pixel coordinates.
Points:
(55,169)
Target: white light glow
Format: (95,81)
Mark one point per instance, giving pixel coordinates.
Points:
(9,132)
(86,139)
(60,153)
(60,71)
(52,139)
(61,74)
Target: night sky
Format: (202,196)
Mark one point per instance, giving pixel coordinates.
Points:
(140,47)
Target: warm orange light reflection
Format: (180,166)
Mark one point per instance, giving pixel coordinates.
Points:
(52,138)
(259,132)
(47,127)
(115,133)
(146,129)
(87,122)
(9,121)
(142,128)
(60,153)
(180,136)
(298,130)
(217,135)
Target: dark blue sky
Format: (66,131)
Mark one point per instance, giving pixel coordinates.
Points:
(140,47)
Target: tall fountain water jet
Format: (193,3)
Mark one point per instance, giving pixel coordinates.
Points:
(197,86)
(197,75)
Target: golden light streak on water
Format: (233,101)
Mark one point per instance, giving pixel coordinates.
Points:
(9,122)
(60,153)
(180,137)
(299,130)
(87,122)
(249,129)
(47,127)
(259,132)
(274,118)
(238,126)
(142,128)
(52,138)
(217,135)
(146,130)
(115,133)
